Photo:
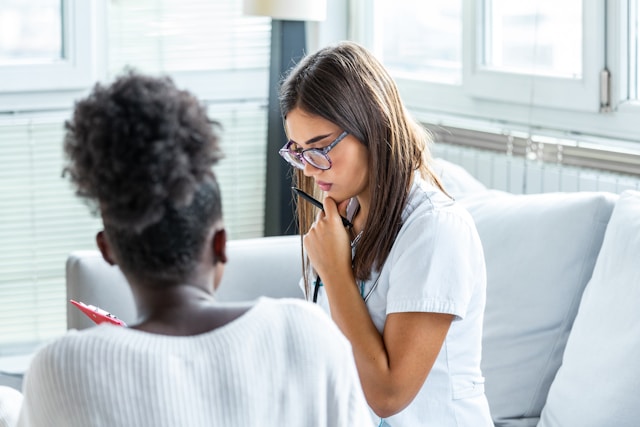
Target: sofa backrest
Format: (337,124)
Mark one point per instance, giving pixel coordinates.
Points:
(598,382)
(540,252)
(249,274)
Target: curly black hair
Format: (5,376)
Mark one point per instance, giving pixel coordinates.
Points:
(141,151)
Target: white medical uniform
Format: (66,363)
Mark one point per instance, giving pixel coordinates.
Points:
(436,265)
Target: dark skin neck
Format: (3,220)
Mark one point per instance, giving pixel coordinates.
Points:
(186,307)
(182,310)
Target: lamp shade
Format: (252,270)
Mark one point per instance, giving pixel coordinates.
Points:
(289,10)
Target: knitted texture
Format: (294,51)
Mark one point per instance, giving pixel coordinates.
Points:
(282,363)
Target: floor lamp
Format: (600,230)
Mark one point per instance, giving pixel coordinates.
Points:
(288,45)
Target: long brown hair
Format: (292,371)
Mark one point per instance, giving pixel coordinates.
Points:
(346,85)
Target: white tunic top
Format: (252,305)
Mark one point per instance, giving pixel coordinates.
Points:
(282,363)
(436,265)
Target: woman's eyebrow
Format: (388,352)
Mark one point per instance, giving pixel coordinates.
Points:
(316,139)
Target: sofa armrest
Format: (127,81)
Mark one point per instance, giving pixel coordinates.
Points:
(263,266)
(266,266)
(91,280)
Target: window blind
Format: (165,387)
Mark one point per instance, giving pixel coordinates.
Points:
(216,52)
(186,35)
(241,173)
(41,220)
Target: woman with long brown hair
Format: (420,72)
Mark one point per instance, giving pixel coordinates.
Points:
(406,283)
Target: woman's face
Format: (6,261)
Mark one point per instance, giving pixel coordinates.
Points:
(349,173)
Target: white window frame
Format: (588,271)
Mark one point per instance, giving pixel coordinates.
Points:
(618,53)
(543,91)
(25,87)
(435,102)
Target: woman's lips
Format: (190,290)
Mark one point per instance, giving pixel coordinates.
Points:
(324,186)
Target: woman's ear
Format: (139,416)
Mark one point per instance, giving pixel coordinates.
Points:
(105,249)
(219,246)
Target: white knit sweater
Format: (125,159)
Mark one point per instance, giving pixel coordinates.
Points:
(283,363)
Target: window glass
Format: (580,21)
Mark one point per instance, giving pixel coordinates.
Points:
(30,32)
(193,35)
(422,38)
(542,37)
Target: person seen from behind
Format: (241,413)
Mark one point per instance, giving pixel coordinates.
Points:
(141,151)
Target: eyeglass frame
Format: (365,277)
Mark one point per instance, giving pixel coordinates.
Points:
(300,154)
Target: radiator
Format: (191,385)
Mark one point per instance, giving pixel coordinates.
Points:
(525,174)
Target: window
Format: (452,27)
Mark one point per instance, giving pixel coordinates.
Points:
(31,32)
(207,47)
(522,37)
(428,43)
(634,50)
(569,68)
(40,223)
(222,56)
(541,53)
(47,45)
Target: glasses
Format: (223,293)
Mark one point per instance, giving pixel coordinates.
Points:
(316,157)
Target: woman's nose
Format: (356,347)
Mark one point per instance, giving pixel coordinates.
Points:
(310,170)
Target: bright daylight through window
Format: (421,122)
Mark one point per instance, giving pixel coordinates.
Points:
(428,42)
(555,48)
(30,32)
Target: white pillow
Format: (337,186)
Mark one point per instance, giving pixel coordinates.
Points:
(10,402)
(599,382)
(540,251)
(455,179)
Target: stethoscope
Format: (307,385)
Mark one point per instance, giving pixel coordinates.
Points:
(318,282)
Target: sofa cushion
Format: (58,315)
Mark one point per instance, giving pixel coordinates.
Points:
(261,266)
(10,402)
(599,380)
(455,179)
(540,251)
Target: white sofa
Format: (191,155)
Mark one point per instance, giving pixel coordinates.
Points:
(269,266)
(561,341)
